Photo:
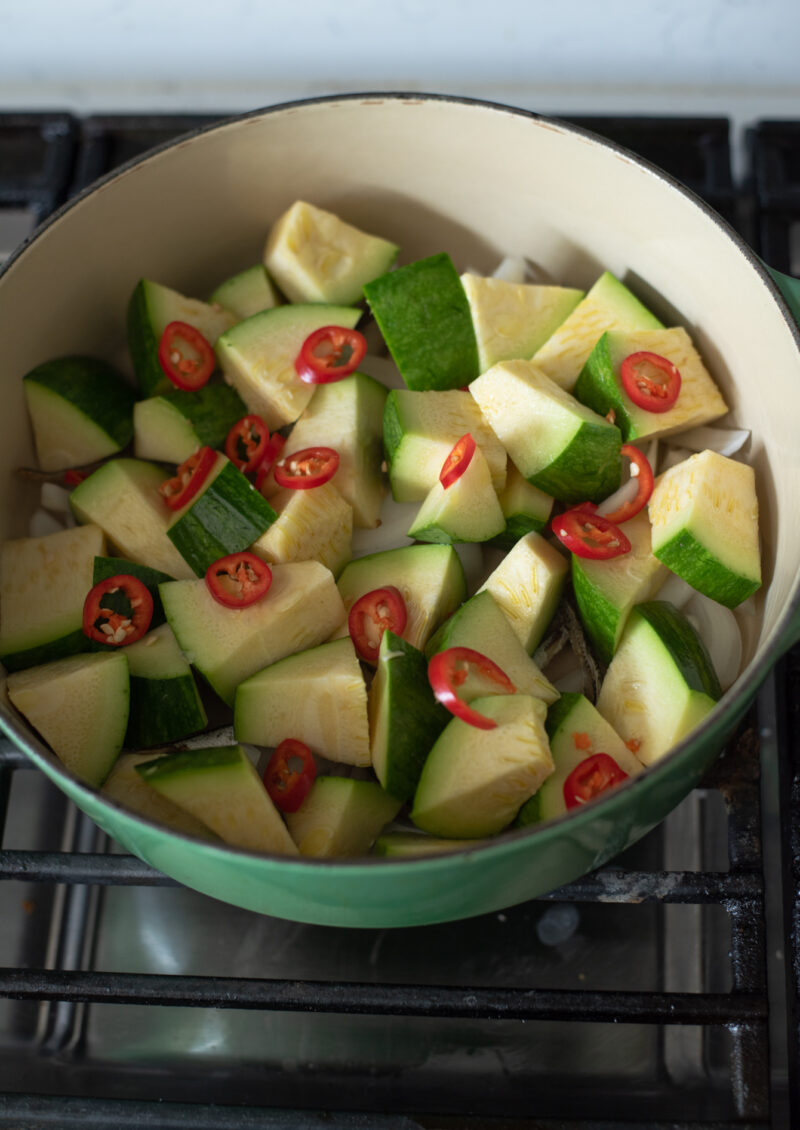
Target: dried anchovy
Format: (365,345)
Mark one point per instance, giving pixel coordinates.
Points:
(34,475)
(566,630)
(591,671)
(554,642)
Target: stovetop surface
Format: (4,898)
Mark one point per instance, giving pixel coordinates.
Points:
(660,992)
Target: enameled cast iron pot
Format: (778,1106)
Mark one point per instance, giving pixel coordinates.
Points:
(432,174)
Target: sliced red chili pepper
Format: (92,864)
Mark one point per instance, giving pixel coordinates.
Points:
(448,671)
(457,461)
(188,479)
(329,354)
(247,443)
(590,778)
(587,534)
(650,380)
(73,478)
(634,495)
(185,356)
(289,775)
(238,580)
(308,468)
(372,614)
(275,446)
(118,610)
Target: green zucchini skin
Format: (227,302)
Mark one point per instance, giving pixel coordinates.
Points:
(72,643)
(688,557)
(163,711)
(105,567)
(426,321)
(212,411)
(143,344)
(599,616)
(598,388)
(95,388)
(558,711)
(413,718)
(688,651)
(226,518)
(517,527)
(589,467)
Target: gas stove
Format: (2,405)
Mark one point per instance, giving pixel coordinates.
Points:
(660,991)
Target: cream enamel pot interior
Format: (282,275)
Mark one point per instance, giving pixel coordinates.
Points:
(433,174)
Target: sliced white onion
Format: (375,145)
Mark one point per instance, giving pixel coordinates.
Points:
(650,451)
(43,523)
(566,672)
(471,555)
(512,268)
(671,456)
(626,493)
(55,498)
(396,520)
(717,627)
(676,591)
(382,369)
(724,441)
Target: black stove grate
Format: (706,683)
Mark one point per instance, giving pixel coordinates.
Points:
(726,1081)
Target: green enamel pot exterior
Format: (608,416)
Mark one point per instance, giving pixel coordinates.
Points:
(429,178)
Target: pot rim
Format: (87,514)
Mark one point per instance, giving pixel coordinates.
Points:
(716,724)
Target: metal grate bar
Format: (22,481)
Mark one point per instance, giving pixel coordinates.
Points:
(384,1000)
(109,140)
(37,152)
(608,886)
(32,1112)
(789,712)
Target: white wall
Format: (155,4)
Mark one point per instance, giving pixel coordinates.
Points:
(238,54)
(734,58)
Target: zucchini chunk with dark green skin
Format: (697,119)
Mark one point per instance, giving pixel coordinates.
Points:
(475,781)
(341,817)
(151,308)
(221,788)
(80,706)
(405,718)
(605,591)
(81,410)
(420,430)
(600,384)
(661,682)
(226,515)
(123,498)
(43,586)
(105,567)
(328,682)
(558,444)
(165,703)
(705,526)
(576,731)
(425,319)
(169,428)
(608,305)
(302,608)
(481,624)
(347,415)
(430,579)
(246,293)
(258,356)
